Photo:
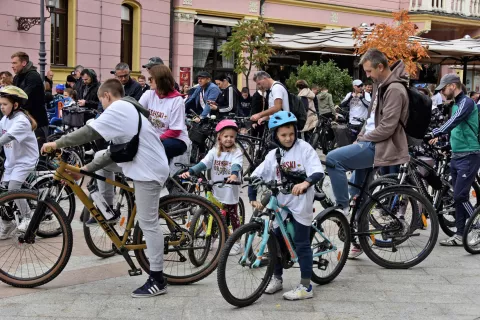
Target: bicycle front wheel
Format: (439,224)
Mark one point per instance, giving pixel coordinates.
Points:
(174,211)
(404,239)
(29,265)
(330,241)
(471,236)
(241,283)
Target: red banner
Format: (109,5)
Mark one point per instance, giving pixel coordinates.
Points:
(185,76)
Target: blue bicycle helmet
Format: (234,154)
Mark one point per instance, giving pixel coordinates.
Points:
(281,118)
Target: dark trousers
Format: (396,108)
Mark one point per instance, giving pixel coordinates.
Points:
(302,248)
(464,171)
(389,169)
(174,147)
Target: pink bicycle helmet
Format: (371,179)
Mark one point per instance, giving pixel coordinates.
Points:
(227,123)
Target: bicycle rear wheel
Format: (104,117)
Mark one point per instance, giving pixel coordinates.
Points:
(331,236)
(471,236)
(239,282)
(31,265)
(400,243)
(177,267)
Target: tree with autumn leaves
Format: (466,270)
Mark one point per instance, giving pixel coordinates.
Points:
(394,41)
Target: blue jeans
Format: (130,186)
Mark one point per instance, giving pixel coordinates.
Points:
(358,157)
(302,248)
(464,171)
(174,147)
(389,169)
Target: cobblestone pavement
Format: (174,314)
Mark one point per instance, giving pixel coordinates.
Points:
(445,286)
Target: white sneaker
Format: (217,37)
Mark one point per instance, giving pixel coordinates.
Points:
(236,249)
(24,224)
(346,211)
(6,229)
(275,285)
(299,293)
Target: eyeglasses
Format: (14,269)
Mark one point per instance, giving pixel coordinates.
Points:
(122,76)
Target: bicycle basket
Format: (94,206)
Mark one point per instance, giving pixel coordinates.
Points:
(342,135)
(199,133)
(73,117)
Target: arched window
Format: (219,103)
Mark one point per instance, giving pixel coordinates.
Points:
(126,43)
(59,34)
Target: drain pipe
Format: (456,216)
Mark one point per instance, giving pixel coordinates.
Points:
(170,46)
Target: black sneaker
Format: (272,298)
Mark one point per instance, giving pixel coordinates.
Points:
(150,289)
(113,220)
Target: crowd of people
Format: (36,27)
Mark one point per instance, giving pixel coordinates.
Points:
(144,121)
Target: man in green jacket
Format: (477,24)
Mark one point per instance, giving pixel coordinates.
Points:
(463,129)
(325,102)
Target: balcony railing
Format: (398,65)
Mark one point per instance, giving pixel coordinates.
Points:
(469,8)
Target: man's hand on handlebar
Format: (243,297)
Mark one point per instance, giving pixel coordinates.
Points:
(49,147)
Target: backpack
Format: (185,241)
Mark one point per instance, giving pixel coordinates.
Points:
(419,113)
(296,107)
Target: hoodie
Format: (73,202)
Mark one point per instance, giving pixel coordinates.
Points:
(391,147)
(29,80)
(325,103)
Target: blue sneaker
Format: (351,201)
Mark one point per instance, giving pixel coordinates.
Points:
(150,289)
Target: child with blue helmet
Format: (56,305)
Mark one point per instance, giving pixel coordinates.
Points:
(293,158)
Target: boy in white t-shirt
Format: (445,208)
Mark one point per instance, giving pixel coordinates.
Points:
(21,153)
(225,160)
(300,159)
(277,97)
(148,169)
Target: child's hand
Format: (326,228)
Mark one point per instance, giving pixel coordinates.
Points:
(232,178)
(185,175)
(300,188)
(196,119)
(257,205)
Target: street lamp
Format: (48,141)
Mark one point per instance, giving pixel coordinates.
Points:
(25,24)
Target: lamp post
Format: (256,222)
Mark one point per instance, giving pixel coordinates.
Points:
(42,53)
(25,23)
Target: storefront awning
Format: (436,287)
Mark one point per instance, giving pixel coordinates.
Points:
(217,20)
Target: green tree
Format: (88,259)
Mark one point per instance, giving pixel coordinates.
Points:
(328,74)
(250,45)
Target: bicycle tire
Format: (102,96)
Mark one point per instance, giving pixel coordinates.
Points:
(221,272)
(66,250)
(69,194)
(472,224)
(345,227)
(196,231)
(241,211)
(222,235)
(89,231)
(363,227)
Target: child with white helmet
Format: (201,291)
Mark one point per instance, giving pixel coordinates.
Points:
(21,152)
(294,159)
(225,160)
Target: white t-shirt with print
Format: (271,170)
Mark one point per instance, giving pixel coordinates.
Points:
(277,91)
(21,154)
(119,123)
(221,167)
(357,108)
(301,157)
(166,114)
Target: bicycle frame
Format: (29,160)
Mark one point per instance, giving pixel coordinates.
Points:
(275,208)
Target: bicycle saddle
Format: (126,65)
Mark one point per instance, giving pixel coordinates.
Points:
(319,196)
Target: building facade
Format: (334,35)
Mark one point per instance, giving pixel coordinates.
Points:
(187,34)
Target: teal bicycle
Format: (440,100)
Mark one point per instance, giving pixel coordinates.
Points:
(242,280)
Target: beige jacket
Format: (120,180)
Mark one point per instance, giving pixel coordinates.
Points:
(312,118)
(390,140)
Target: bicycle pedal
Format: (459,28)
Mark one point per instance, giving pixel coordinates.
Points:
(135,272)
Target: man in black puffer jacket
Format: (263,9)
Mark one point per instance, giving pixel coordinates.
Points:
(28,79)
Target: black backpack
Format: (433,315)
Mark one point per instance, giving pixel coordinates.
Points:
(296,107)
(419,113)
